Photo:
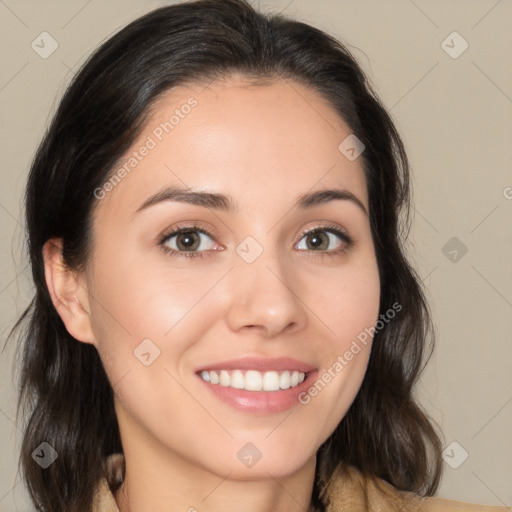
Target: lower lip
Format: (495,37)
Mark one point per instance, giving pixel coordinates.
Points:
(263,402)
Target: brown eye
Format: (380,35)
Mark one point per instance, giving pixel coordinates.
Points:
(317,241)
(185,240)
(325,240)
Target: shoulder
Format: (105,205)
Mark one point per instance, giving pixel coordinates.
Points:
(350,489)
(442,505)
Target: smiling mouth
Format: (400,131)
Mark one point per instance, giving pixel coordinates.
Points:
(253,380)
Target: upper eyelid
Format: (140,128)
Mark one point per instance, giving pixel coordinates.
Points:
(180,229)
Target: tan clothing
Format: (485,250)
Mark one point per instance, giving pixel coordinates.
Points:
(351,492)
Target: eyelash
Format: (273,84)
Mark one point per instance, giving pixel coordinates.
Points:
(348,241)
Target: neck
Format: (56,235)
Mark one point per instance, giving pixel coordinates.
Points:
(174,488)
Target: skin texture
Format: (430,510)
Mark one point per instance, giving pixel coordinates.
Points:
(263,145)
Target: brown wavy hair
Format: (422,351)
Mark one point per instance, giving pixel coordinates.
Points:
(65,396)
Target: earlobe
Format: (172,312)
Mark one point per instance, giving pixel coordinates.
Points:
(69,295)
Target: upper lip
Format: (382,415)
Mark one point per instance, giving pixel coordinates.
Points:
(260,364)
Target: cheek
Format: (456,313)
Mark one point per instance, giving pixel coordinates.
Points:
(349,308)
(143,325)
(347,301)
(149,298)
(145,318)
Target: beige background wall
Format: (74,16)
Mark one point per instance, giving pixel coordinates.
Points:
(455,115)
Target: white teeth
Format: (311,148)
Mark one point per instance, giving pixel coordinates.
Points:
(271,381)
(253,380)
(284,381)
(237,380)
(224,379)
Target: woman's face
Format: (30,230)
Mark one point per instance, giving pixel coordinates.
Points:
(258,305)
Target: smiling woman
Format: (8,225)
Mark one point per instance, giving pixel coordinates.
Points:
(224,317)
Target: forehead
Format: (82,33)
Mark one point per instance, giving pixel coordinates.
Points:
(257,143)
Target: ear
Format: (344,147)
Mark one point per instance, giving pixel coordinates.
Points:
(68,291)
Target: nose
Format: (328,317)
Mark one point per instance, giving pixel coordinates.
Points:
(265,298)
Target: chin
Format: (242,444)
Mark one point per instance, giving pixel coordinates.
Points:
(251,463)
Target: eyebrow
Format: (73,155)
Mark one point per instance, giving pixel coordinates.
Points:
(225,203)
